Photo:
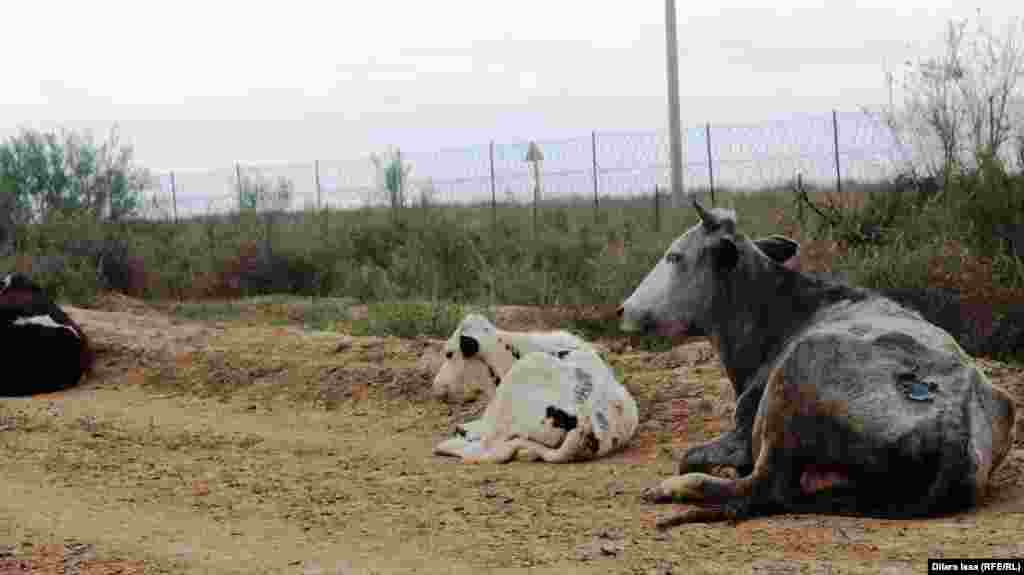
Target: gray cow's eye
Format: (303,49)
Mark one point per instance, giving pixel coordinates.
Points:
(449,354)
(674,258)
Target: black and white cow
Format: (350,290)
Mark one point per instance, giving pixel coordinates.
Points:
(550,395)
(847,402)
(478,355)
(44,350)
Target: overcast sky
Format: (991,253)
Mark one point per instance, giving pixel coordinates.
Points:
(204,84)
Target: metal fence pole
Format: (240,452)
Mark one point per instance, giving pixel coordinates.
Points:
(494,198)
(593,147)
(536,195)
(316,178)
(799,199)
(657,211)
(400,192)
(174,199)
(238,182)
(835,140)
(711,167)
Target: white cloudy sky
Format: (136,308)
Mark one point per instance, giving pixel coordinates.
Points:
(205,84)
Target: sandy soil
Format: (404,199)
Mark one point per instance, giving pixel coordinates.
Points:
(253,446)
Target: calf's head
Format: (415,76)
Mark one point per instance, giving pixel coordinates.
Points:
(468,370)
(676,296)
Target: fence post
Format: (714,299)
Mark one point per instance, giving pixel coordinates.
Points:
(238,182)
(174,198)
(835,140)
(657,211)
(593,147)
(494,198)
(536,195)
(316,178)
(799,199)
(400,192)
(711,167)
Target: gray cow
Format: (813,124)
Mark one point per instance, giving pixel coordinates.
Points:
(847,402)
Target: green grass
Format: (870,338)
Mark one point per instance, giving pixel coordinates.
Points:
(462,257)
(319,314)
(410,319)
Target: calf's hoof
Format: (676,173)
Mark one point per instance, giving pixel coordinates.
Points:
(689,487)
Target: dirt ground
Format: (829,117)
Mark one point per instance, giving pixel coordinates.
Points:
(254,446)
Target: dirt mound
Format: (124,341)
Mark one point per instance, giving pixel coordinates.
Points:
(115,301)
(143,332)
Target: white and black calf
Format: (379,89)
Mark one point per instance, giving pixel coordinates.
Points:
(43,349)
(478,355)
(551,396)
(847,402)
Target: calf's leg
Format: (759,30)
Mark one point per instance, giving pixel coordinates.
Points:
(579,444)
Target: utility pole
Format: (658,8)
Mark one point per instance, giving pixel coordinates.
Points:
(675,145)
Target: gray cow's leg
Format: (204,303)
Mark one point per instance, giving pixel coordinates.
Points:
(731,449)
(766,487)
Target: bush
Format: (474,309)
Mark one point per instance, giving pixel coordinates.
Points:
(411,319)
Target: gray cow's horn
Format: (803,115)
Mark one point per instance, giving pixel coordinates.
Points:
(706,217)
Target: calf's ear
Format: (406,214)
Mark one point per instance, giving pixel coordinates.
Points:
(724,254)
(468,346)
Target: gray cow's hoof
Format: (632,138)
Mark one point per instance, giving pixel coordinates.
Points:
(708,514)
(655,495)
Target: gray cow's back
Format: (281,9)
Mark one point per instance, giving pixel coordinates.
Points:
(901,399)
(887,370)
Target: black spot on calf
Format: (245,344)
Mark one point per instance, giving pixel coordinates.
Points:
(560,419)
(468,346)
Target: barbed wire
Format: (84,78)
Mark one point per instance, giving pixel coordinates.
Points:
(624,164)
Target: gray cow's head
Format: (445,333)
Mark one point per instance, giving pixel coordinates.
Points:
(676,296)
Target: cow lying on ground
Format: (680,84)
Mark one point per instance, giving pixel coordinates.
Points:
(553,397)
(846,401)
(467,377)
(44,350)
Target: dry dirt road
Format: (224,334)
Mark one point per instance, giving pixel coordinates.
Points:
(254,446)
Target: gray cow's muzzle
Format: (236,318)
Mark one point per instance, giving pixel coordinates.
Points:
(635,321)
(630,321)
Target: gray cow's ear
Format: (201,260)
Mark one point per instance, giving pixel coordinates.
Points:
(778,248)
(725,254)
(468,346)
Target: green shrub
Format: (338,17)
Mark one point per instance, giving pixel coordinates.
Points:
(410,319)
